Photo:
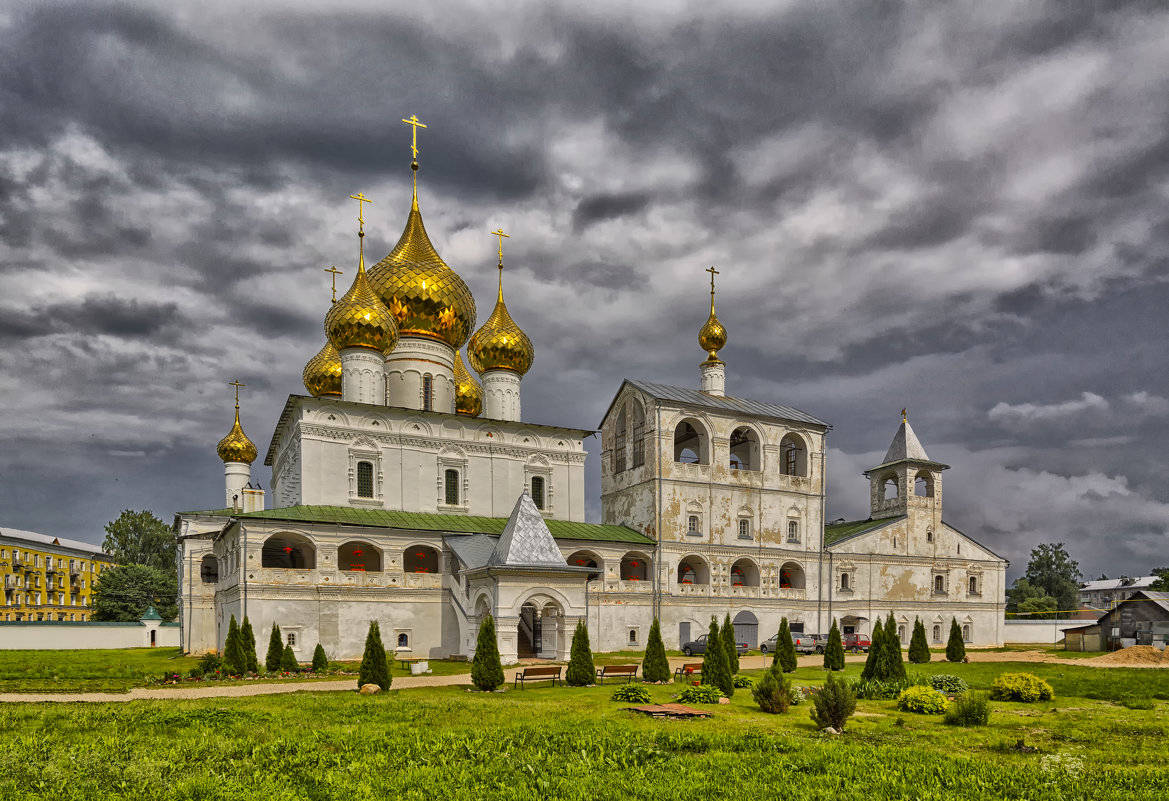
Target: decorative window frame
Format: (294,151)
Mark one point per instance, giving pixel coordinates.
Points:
(793,516)
(297,633)
(845,569)
(693,510)
(408,647)
(364,449)
(452,459)
(748,517)
(633,635)
(978,578)
(539,466)
(944,575)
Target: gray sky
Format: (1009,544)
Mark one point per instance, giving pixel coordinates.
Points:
(960,208)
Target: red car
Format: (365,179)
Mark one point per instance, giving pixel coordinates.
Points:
(855,642)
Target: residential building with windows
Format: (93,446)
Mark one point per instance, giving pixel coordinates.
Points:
(1107,593)
(47,578)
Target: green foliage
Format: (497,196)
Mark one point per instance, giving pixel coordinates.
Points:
(1054,572)
(210,663)
(1023,597)
(235,662)
(701,694)
(716,669)
(288,663)
(741,681)
(486,669)
(785,649)
(1039,608)
(655,666)
(1161,583)
(921,701)
(275,651)
(248,641)
(320,660)
(876,690)
(876,651)
(730,646)
(773,693)
(955,648)
(125,592)
(374,669)
(834,650)
(581,669)
(140,538)
(919,649)
(1025,687)
(951,685)
(631,694)
(834,704)
(892,667)
(969,709)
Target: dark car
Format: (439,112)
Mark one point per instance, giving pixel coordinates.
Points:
(699,647)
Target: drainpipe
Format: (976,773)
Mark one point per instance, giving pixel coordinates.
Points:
(823,494)
(657,585)
(244,567)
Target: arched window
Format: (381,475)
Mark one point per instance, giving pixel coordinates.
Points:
(901,632)
(793,456)
(929,536)
(638,433)
(586,559)
(633,636)
(427,393)
(689,444)
(939,585)
(923,485)
(209,569)
(420,559)
(359,556)
(634,567)
(744,528)
(889,487)
(451,487)
(692,526)
(619,443)
(364,479)
(844,581)
(744,449)
(966,633)
(793,531)
(538,492)
(937,633)
(974,585)
(288,551)
(403,640)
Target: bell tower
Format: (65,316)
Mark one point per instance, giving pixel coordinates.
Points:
(906,480)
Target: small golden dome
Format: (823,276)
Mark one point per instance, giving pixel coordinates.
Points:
(425,295)
(322,374)
(500,344)
(236,447)
(468,391)
(712,337)
(360,319)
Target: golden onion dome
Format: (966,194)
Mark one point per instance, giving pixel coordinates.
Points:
(500,344)
(712,337)
(468,391)
(360,319)
(425,295)
(322,374)
(236,447)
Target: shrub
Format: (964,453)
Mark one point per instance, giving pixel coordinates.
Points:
(248,641)
(275,651)
(730,646)
(797,696)
(834,704)
(919,649)
(655,666)
(715,668)
(969,709)
(210,663)
(953,685)
(1025,687)
(581,670)
(834,650)
(922,701)
(374,669)
(234,661)
(631,693)
(288,663)
(320,660)
(702,694)
(785,649)
(955,648)
(742,681)
(486,669)
(874,690)
(196,672)
(773,693)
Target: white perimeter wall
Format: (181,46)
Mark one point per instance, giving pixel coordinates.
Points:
(1046,632)
(76,636)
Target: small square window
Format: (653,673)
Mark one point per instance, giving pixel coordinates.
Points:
(744,529)
(292,638)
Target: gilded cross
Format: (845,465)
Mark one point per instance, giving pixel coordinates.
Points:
(361,201)
(335,273)
(904,416)
(415,125)
(237,385)
(501,236)
(713,272)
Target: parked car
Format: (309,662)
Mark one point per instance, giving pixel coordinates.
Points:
(804,643)
(855,642)
(699,647)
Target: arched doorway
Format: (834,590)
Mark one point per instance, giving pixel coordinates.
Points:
(538,629)
(746,628)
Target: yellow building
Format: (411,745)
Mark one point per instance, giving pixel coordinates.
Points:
(47,578)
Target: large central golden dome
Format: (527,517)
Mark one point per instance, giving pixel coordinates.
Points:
(425,295)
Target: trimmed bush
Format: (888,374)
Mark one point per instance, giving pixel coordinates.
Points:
(320,660)
(655,666)
(486,669)
(969,709)
(919,648)
(581,670)
(922,701)
(834,650)
(374,669)
(631,693)
(773,693)
(785,649)
(715,668)
(730,647)
(288,663)
(955,648)
(275,651)
(834,704)
(234,660)
(702,694)
(1024,687)
(952,685)
(248,640)
(741,681)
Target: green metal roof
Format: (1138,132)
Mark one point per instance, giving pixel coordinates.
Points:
(841,531)
(416,521)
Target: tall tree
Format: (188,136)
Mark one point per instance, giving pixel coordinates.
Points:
(919,648)
(730,645)
(785,649)
(716,670)
(234,660)
(1161,583)
(955,648)
(486,669)
(1057,574)
(872,668)
(374,668)
(124,593)
(655,666)
(140,538)
(834,650)
(892,665)
(581,670)
(248,640)
(275,651)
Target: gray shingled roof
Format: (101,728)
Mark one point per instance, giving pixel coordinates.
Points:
(745,406)
(473,550)
(905,445)
(526,539)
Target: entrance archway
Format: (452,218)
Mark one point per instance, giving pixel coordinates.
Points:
(746,628)
(538,629)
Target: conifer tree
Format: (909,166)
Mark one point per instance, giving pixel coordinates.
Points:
(275,651)
(919,649)
(834,650)
(248,639)
(234,661)
(785,649)
(581,670)
(729,645)
(876,651)
(320,660)
(955,648)
(716,670)
(288,663)
(374,668)
(486,669)
(655,666)
(893,667)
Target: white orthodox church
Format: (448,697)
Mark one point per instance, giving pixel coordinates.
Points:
(409,493)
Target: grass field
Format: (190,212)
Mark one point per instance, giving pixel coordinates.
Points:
(544,742)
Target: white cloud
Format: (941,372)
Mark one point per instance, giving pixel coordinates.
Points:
(1147,403)
(1026,413)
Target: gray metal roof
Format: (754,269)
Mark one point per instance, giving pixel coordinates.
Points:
(754,408)
(45,539)
(526,540)
(473,550)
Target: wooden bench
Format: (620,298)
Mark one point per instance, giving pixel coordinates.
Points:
(687,670)
(406,662)
(629,671)
(538,674)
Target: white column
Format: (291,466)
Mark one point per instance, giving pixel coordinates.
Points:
(714,378)
(236,475)
(501,395)
(362,375)
(413,360)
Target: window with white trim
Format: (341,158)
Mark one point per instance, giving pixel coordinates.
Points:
(364,479)
(793,531)
(451,487)
(744,528)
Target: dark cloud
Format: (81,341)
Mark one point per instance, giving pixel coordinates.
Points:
(607,207)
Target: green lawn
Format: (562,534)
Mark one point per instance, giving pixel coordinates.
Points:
(570,743)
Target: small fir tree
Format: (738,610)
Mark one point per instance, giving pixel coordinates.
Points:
(655,666)
(288,662)
(834,704)
(919,649)
(955,648)
(834,650)
(275,651)
(716,669)
(581,670)
(320,660)
(893,666)
(785,649)
(486,669)
(773,693)
(248,638)
(876,651)
(374,668)
(234,661)
(729,645)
